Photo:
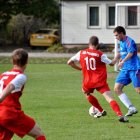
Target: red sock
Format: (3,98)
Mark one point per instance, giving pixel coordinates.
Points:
(114,105)
(94,102)
(41,138)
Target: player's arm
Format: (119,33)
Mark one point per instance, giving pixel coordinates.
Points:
(73,65)
(108,61)
(128,56)
(115,60)
(6,91)
(131,49)
(72,61)
(14,86)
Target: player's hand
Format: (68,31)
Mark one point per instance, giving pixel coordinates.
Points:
(120,65)
(111,64)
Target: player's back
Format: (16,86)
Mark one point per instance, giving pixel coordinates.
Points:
(94,70)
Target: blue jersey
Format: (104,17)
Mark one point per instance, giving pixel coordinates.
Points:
(129,46)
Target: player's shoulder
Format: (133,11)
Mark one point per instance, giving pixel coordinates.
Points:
(14,73)
(129,39)
(21,76)
(128,42)
(83,51)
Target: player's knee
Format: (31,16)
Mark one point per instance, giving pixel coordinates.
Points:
(116,90)
(36,131)
(138,90)
(87,94)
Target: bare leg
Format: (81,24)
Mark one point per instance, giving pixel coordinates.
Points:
(114,105)
(36,132)
(124,99)
(122,96)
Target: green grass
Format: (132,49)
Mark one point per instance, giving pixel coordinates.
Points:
(53,97)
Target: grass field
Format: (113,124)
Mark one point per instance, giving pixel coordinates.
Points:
(53,97)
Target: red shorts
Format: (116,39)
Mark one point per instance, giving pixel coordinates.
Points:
(14,121)
(101,89)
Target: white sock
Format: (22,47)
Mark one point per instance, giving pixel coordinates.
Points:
(124,99)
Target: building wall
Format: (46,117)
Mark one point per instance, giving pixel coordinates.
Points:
(74,23)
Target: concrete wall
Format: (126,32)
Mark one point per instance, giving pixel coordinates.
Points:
(74,23)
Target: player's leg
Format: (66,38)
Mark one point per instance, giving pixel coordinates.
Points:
(25,126)
(37,133)
(137,90)
(121,81)
(105,91)
(122,96)
(125,100)
(5,134)
(135,77)
(92,99)
(114,105)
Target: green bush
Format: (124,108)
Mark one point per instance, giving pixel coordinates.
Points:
(57,48)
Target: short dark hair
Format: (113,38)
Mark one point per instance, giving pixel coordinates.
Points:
(20,57)
(119,29)
(94,40)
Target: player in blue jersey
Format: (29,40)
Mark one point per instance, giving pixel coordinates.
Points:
(129,64)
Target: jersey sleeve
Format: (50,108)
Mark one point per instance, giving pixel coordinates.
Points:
(105,59)
(19,82)
(76,57)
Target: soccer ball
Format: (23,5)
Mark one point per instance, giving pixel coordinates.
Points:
(93,110)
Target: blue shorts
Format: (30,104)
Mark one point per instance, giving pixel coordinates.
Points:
(126,77)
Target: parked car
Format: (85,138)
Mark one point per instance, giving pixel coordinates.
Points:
(44,38)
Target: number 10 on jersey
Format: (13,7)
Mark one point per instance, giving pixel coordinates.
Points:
(90,63)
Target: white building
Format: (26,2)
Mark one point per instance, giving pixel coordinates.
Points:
(81,19)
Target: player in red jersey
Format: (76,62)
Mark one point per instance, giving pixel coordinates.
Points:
(12,118)
(93,65)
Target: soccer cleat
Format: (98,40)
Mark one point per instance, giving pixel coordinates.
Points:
(100,114)
(104,113)
(131,112)
(123,119)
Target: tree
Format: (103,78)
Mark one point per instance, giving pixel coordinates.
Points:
(6,10)
(46,9)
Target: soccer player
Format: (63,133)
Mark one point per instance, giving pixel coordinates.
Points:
(93,65)
(12,118)
(129,65)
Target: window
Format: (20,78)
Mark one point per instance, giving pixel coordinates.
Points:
(111,16)
(94,16)
(132,16)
